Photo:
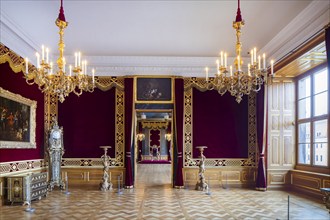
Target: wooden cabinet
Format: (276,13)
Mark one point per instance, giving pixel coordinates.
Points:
(26,187)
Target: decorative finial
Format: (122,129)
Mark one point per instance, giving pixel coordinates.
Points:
(238,14)
(61,14)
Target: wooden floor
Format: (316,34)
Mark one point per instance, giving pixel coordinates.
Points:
(154,198)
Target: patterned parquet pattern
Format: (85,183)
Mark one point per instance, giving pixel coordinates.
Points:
(153,198)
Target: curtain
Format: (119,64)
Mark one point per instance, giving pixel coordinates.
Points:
(129,126)
(178,134)
(261,105)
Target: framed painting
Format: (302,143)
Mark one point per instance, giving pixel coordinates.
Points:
(153,89)
(17,121)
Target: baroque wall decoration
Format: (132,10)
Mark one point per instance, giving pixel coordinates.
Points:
(189,160)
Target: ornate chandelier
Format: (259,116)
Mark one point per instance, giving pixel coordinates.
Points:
(57,81)
(238,82)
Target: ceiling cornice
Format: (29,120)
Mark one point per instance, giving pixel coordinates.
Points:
(310,21)
(306,24)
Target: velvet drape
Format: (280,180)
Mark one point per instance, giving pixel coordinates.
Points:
(129,126)
(261,105)
(178,133)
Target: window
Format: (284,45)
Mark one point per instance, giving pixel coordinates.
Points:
(312,118)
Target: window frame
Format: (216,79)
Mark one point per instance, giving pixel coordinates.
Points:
(311,167)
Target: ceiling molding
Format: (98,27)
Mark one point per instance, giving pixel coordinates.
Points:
(310,21)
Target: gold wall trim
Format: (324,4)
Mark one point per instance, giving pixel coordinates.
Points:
(120,128)
(14,167)
(16,62)
(105,83)
(154,124)
(189,161)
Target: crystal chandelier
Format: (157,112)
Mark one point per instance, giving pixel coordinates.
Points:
(57,81)
(237,82)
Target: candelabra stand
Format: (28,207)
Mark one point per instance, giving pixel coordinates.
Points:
(105,184)
(201,184)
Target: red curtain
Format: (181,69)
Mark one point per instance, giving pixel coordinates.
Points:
(261,182)
(15,83)
(178,133)
(129,141)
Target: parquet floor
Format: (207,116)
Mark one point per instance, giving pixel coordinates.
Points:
(153,198)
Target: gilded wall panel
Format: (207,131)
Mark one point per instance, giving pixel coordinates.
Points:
(307,182)
(288,97)
(274,149)
(288,150)
(189,161)
(274,96)
(275,122)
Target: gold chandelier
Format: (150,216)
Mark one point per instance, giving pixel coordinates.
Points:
(238,82)
(58,81)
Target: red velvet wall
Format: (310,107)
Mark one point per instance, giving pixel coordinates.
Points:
(15,83)
(88,122)
(221,124)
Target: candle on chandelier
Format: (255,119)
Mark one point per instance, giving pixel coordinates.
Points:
(238,63)
(26,65)
(272,67)
(231,70)
(207,74)
(251,52)
(75,59)
(64,63)
(85,67)
(225,60)
(38,61)
(93,76)
(218,68)
(221,58)
(79,58)
(259,60)
(82,67)
(70,70)
(255,54)
(51,68)
(264,61)
(43,52)
(47,55)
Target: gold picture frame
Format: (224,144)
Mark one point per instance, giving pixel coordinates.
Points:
(156,90)
(17,121)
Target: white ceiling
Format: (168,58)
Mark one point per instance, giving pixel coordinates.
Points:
(128,37)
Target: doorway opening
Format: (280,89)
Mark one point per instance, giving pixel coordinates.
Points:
(153,151)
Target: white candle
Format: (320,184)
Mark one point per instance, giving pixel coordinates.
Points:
(207,74)
(26,65)
(51,67)
(64,65)
(79,58)
(251,52)
(70,70)
(38,63)
(231,70)
(255,54)
(272,67)
(75,59)
(259,61)
(93,75)
(47,55)
(264,61)
(221,58)
(238,63)
(249,69)
(225,60)
(85,67)
(43,52)
(82,66)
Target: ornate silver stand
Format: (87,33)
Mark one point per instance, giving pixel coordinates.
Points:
(55,152)
(105,184)
(201,184)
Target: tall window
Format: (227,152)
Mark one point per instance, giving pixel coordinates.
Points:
(312,119)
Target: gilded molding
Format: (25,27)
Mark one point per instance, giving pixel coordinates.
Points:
(119,129)
(16,63)
(105,83)
(154,124)
(189,161)
(21,166)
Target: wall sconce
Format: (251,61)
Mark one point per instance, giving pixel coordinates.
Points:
(140,137)
(168,137)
